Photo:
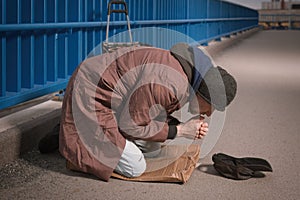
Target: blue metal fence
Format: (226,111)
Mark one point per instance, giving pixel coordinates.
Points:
(42,41)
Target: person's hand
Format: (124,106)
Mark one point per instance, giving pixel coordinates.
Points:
(195,128)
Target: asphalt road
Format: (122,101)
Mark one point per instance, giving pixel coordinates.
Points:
(263,121)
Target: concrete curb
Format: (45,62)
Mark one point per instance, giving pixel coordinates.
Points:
(21,131)
(216,47)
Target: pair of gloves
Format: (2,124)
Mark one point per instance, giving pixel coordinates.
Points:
(240,168)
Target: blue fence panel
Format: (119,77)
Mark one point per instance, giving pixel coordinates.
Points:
(43,41)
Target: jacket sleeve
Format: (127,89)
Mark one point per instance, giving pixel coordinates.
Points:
(172,122)
(145,114)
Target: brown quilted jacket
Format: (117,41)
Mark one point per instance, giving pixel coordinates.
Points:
(127,94)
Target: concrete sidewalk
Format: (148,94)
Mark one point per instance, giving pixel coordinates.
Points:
(262,122)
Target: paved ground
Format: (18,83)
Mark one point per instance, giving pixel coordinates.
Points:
(263,121)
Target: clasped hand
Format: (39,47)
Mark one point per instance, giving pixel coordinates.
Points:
(195,128)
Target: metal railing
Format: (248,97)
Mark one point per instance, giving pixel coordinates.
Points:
(43,41)
(279,18)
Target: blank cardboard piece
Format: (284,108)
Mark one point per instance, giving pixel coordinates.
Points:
(175,164)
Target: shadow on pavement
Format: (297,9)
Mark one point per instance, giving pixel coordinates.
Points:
(53,162)
(208,169)
(33,165)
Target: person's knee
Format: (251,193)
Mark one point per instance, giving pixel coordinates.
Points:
(139,167)
(134,168)
(132,162)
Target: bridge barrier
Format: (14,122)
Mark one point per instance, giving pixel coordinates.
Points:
(43,41)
